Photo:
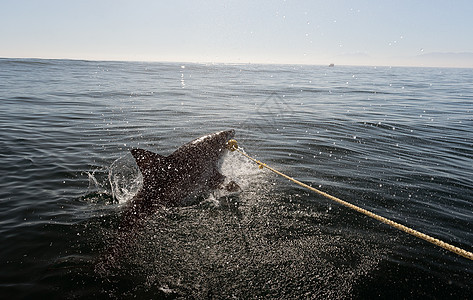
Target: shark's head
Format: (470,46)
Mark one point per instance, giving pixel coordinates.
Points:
(212,143)
(218,138)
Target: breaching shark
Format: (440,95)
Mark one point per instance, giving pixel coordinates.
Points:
(169,180)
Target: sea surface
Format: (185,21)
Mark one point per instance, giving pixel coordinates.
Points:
(396,141)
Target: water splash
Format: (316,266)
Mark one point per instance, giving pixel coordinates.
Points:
(125,178)
(97,192)
(241,170)
(238,169)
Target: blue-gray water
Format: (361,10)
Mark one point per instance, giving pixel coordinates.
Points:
(396,141)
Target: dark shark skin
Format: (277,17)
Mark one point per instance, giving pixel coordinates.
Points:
(168,181)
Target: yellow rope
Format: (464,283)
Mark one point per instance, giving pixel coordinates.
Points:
(233,146)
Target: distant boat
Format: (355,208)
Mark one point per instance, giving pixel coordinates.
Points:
(331,65)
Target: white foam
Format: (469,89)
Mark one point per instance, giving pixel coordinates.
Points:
(235,167)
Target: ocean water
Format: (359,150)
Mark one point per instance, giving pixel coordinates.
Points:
(396,141)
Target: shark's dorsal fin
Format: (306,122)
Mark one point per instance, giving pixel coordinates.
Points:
(146,159)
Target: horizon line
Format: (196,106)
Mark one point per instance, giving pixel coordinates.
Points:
(247,63)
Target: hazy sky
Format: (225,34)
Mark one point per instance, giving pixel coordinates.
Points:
(426,33)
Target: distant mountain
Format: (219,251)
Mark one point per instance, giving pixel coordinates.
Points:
(445,59)
(431,59)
